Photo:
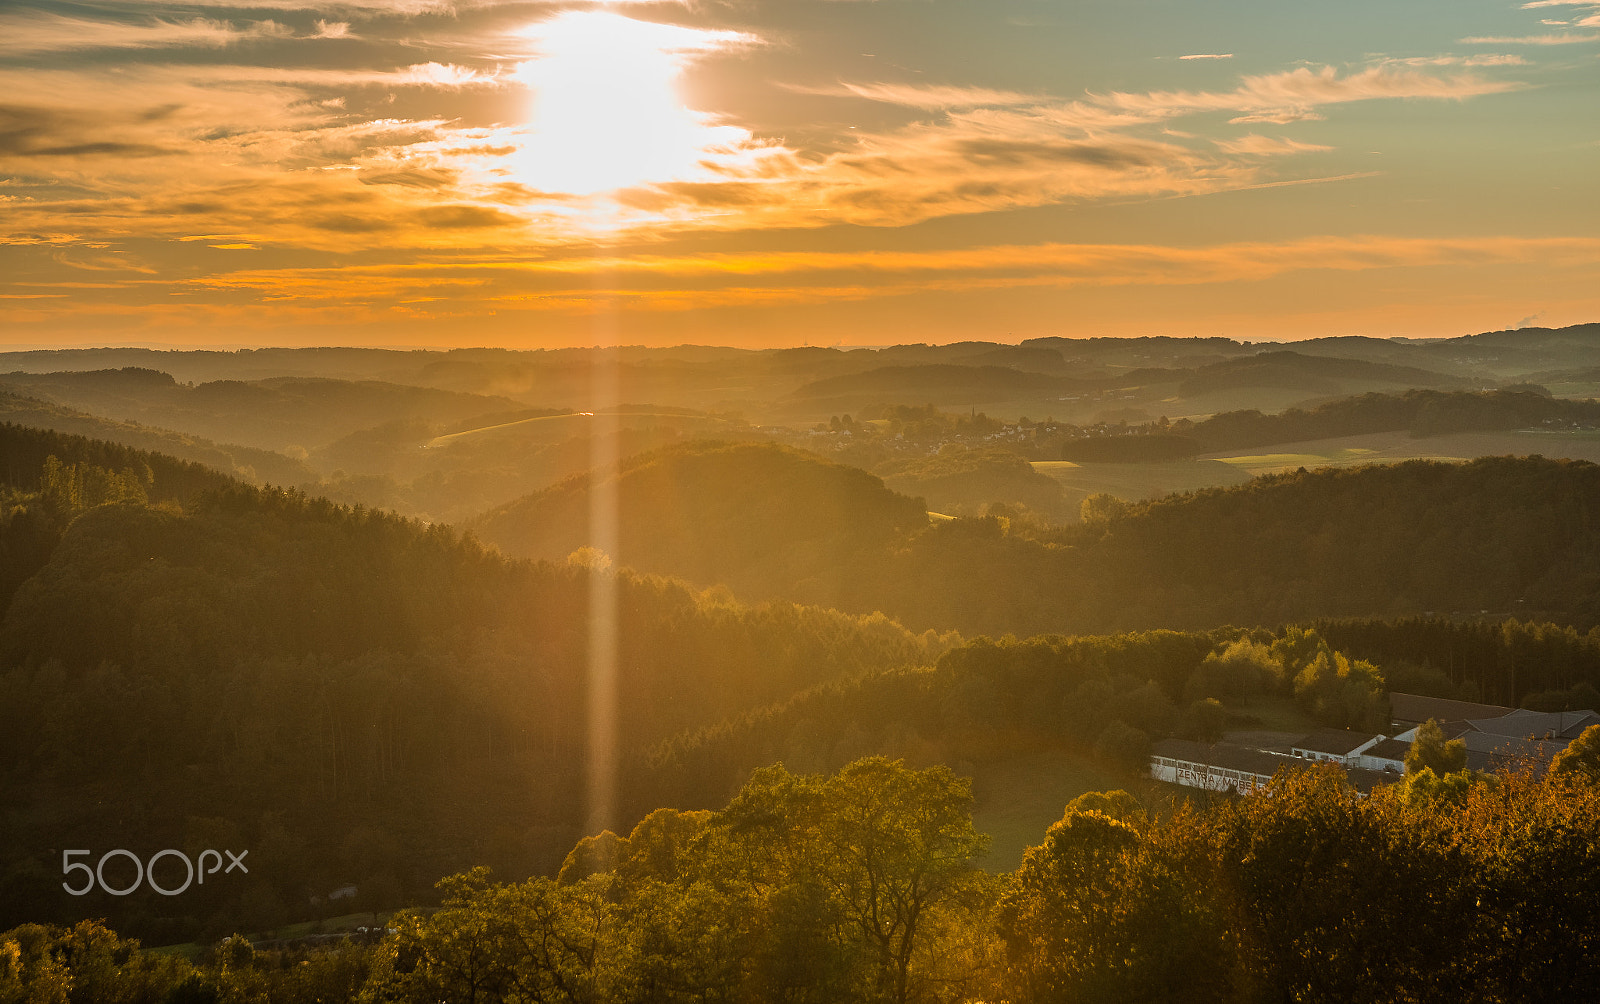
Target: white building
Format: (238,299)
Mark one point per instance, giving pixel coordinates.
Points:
(1214,767)
(1334,746)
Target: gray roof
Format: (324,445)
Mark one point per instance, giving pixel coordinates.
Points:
(1524,724)
(1416,708)
(1366,780)
(1336,741)
(1390,749)
(1223,756)
(1455,730)
(1509,751)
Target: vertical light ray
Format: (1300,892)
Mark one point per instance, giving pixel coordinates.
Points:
(603,626)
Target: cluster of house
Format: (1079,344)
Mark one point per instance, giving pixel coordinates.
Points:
(1496,738)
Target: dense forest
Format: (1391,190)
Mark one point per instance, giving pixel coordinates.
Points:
(745,515)
(1503,536)
(193,654)
(1420,412)
(1110,696)
(861,885)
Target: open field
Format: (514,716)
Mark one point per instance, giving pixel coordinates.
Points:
(1137,482)
(1271,712)
(1394,447)
(1019,797)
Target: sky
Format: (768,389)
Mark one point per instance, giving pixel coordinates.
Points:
(782,172)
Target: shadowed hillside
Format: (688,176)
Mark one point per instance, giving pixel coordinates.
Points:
(763,519)
(357,697)
(1504,535)
(244,462)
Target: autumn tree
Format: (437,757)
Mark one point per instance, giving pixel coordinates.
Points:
(871,853)
(1581,759)
(1430,750)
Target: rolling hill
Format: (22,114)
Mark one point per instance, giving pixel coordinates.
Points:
(763,519)
(274,414)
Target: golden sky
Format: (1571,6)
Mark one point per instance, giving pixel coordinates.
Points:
(762,172)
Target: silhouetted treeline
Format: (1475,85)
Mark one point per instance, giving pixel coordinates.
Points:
(23,451)
(29,532)
(1508,662)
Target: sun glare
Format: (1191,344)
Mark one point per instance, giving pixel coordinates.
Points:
(605,110)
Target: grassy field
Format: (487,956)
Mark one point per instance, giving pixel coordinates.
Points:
(1136,482)
(1019,797)
(1280,714)
(1394,447)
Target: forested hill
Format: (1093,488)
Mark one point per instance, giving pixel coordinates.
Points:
(1420,412)
(1111,696)
(245,462)
(761,518)
(271,414)
(358,698)
(1503,535)
(1510,536)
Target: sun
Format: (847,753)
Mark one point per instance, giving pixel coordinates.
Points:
(605,110)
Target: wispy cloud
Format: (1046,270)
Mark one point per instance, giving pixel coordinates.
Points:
(1267,146)
(921,95)
(35,33)
(360,8)
(333,29)
(1292,94)
(1209,55)
(1480,59)
(1562,39)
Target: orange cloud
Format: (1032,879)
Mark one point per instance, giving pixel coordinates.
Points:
(35,33)
(1563,39)
(923,96)
(679,282)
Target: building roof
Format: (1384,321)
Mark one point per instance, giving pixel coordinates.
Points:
(1418,709)
(1503,751)
(1223,756)
(1339,742)
(1390,749)
(1524,724)
(1366,780)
